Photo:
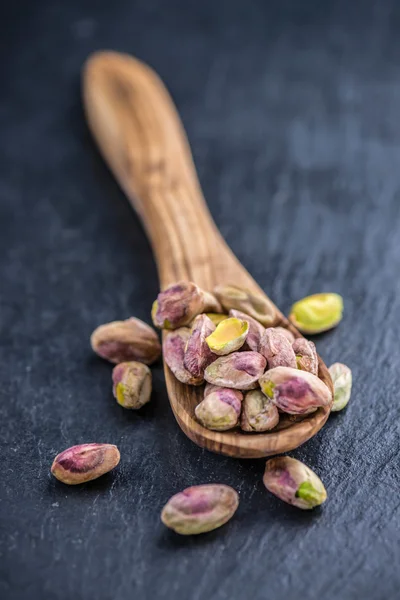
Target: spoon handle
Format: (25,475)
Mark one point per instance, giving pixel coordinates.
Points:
(141,137)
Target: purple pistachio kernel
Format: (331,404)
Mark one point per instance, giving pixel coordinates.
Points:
(85,462)
(277,349)
(174,345)
(197,354)
(179,303)
(200,508)
(306,355)
(239,370)
(293,391)
(121,341)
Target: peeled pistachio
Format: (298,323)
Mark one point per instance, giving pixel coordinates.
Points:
(229,336)
(256,306)
(179,303)
(255,333)
(259,413)
(220,410)
(293,391)
(277,349)
(200,508)
(317,313)
(85,462)
(216,318)
(239,370)
(174,344)
(342,382)
(132,384)
(121,341)
(306,355)
(197,353)
(294,483)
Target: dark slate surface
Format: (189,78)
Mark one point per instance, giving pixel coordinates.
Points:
(293,112)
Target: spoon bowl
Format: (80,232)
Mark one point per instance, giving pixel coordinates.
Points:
(141,137)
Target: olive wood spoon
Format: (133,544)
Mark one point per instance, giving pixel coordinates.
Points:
(141,137)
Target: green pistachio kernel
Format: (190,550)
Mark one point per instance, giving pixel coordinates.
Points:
(317,313)
(342,382)
(228,337)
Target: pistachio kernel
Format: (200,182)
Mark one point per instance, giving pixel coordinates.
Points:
(294,482)
(174,344)
(220,410)
(342,382)
(132,384)
(85,462)
(259,413)
(200,508)
(293,391)
(228,337)
(317,313)
(239,370)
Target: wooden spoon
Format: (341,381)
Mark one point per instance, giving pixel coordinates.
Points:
(141,137)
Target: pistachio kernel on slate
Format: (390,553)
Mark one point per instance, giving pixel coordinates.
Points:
(132,384)
(85,462)
(121,341)
(294,482)
(200,508)
(317,313)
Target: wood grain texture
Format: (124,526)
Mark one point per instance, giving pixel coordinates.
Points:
(141,137)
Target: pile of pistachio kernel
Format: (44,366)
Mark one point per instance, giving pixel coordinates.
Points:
(253,369)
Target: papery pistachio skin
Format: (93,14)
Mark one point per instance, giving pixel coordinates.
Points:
(121,341)
(197,353)
(228,336)
(306,355)
(216,318)
(256,306)
(179,303)
(277,349)
(293,391)
(174,344)
(132,384)
(293,482)
(85,462)
(317,313)
(220,410)
(200,508)
(259,413)
(255,333)
(287,333)
(342,382)
(239,370)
